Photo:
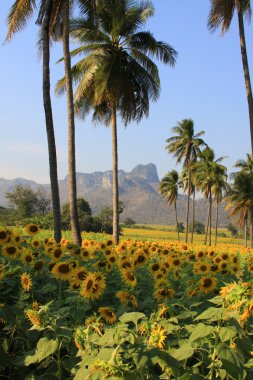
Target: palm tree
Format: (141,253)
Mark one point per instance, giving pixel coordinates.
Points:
(169,189)
(240,201)
(205,172)
(220,187)
(185,146)
(117,74)
(185,182)
(221,14)
(245,165)
(17,18)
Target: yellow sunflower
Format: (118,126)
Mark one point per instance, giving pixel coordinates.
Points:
(11,251)
(62,271)
(35,243)
(129,277)
(207,284)
(108,315)
(92,288)
(154,267)
(175,263)
(16,238)
(38,266)
(80,274)
(34,317)
(26,281)
(31,229)
(126,298)
(57,252)
(158,336)
(201,267)
(163,294)
(27,256)
(4,236)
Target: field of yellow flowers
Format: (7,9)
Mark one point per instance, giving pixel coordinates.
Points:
(140,310)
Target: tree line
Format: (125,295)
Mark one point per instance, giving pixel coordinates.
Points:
(116,77)
(204,173)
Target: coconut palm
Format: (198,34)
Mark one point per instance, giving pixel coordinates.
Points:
(169,186)
(117,75)
(17,18)
(220,187)
(245,165)
(221,14)
(240,201)
(185,146)
(205,172)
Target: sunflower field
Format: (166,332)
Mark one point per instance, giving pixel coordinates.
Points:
(139,310)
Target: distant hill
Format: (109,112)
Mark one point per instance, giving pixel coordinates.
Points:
(138,189)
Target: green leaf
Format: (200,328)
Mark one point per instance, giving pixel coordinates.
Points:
(232,360)
(211,314)
(227,333)
(132,317)
(183,352)
(45,347)
(200,331)
(163,358)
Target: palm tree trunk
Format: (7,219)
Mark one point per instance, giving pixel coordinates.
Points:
(216,222)
(75,228)
(207,224)
(246,73)
(193,214)
(251,230)
(210,225)
(50,126)
(188,206)
(115,176)
(178,236)
(245,233)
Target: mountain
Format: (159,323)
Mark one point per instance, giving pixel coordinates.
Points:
(138,189)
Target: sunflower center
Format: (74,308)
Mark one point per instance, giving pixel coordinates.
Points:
(82,275)
(131,277)
(33,228)
(57,253)
(64,268)
(207,282)
(28,259)
(3,235)
(11,250)
(89,284)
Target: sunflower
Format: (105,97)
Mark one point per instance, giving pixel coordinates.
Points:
(92,288)
(126,297)
(158,336)
(207,284)
(125,264)
(201,267)
(35,243)
(38,266)
(85,253)
(111,259)
(62,271)
(32,229)
(16,238)
(162,311)
(57,252)
(224,256)
(80,274)
(199,255)
(159,275)
(26,281)
(154,267)
(214,268)
(73,285)
(10,251)
(163,294)
(4,236)
(27,256)
(35,305)
(163,283)
(129,277)
(175,262)
(33,317)
(139,259)
(108,315)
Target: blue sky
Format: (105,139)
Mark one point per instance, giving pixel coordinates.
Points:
(207,85)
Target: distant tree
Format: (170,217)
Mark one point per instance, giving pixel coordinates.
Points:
(181,227)
(199,227)
(28,202)
(106,217)
(232,229)
(129,222)
(84,215)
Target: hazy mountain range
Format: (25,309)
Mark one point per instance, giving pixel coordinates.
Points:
(138,189)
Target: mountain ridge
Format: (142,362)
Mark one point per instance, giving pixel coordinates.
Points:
(138,189)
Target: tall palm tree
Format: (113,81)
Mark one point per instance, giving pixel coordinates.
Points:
(186,183)
(240,201)
(220,187)
(245,165)
(185,146)
(221,14)
(17,18)
(169,186)
(117,75)
(205,172)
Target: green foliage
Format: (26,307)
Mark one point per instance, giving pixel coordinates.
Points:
(199,227)
(232,228)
